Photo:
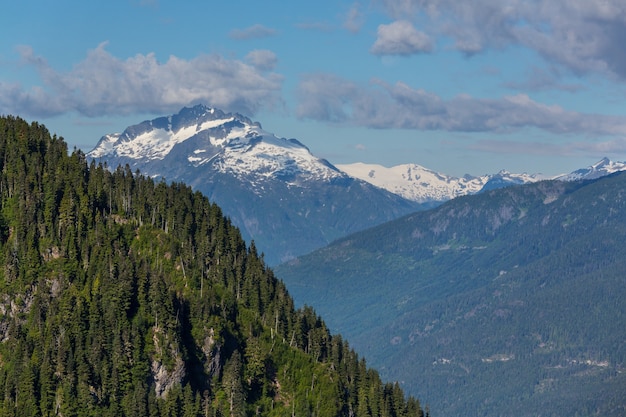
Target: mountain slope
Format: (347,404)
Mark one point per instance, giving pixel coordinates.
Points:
(120,296)
(279,194)
(505,303)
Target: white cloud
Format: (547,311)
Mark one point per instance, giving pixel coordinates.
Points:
(332,99)
(400,38)
(262,59)
(580,35)
(253,32)
(105,85)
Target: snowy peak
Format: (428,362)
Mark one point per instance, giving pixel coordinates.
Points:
(505,179)
(154,139)
(601,168)
(414,182)
(208,138)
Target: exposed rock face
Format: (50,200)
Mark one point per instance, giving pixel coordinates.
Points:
(15,309)
(165,377)
(168,367)
(212,352)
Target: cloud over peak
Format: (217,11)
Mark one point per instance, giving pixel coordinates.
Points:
(103,84)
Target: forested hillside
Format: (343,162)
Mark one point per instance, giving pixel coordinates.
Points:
(120,296)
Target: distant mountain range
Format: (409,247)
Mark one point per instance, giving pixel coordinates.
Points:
(280,195)
(275,190)
(509,302)
(420,184)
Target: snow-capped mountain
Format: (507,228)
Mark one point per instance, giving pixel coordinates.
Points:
(601,168)
(275,190)
(416,183)
(206,137)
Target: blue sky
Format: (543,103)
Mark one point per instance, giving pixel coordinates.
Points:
(459,87)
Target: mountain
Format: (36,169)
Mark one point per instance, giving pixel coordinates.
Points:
(508,302)
(280,195)
(416,183)
(122,296)
(601,168)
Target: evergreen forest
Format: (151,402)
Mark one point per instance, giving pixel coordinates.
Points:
(124,296)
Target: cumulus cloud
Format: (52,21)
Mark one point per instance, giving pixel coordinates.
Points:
(332,99)
(253,32)
(262,59)
(400,38)
(105,85)
(583,36)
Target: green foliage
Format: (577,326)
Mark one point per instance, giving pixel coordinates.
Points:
(120,296)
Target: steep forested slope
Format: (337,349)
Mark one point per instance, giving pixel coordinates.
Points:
(122,296)
(508,303)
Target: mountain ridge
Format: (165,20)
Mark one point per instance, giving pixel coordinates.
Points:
(274,189)
(210,131)
(417,183)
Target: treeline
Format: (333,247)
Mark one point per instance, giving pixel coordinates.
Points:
(123,296)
